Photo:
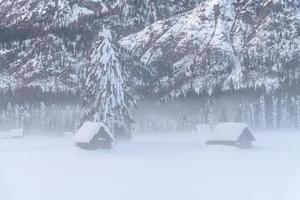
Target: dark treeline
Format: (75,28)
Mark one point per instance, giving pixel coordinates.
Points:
(264,112)
(29,32)
(37,111)
(40,118)
(34,96)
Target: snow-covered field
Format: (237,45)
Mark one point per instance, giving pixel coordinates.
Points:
(168,167)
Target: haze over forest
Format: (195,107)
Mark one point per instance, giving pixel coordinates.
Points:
(240,58)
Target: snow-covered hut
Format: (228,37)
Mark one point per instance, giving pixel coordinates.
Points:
(13,133)
(233,134)
(94,135)
(17,133)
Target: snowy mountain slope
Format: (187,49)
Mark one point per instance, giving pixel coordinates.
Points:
(47,13)
(272,49)
(49,63)
(40,13)
(56,13)
(45,44)
(221,45)
(199,46)
(32,30)
(137,14)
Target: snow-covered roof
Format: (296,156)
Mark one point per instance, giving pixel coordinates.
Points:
(88,130)
(17,132)
(13,133)
(227,131)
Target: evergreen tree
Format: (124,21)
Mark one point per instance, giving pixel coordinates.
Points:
(42,114)
(298,112)
(262,122)
(239,114)
(182,122)
(248,114)
(244,110)
(210,110)
(274,112)
(285,121)
(18,116)
(201,116)
(107,97)
(142,126)
(224,116)
(9,116)
(26,115)
(2,119)
(251,115)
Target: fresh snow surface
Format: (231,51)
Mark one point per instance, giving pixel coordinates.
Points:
(159,167)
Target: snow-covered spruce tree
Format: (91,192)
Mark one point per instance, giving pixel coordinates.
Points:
(2,119)
(252,115)
(245,113)
(210,112)
(42,114)
(248,115)
(239,114)
(274,112)
(107,97)
(201,116)
(19,115)
(293,112)
(10,115)
(223,116)
(182,122)
(298,112)
(262,122)
(285,120)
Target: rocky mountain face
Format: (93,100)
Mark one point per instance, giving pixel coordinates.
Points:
(222,45)
(47,44)
(170,48)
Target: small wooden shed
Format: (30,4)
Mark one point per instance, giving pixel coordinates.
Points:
(232,134)
(94,135)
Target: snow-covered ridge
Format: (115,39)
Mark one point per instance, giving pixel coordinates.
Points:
(46,13)
(48,63)
(210,46)
(221,44)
